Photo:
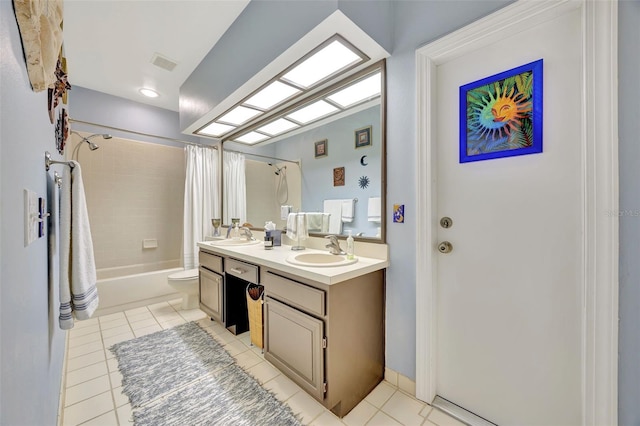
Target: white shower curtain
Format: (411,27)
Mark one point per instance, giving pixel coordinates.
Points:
(235,187)
(201,199)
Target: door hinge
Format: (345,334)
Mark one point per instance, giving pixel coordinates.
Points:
(324,343)
(324,387)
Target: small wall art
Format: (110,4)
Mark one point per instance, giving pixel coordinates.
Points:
(501,115)
(363,137)
(398,213)
(338,176)
(320,148)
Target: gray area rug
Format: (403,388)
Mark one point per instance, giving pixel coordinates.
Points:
(182,376)
(228,397)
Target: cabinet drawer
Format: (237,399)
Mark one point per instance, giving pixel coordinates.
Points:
(211,261)
(245,271)
(294,293)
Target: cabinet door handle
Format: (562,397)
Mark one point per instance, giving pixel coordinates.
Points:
(238,271)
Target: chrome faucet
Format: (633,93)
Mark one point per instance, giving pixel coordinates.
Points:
(247,233)
(334,245)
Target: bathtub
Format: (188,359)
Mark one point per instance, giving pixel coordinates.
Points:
(128,287)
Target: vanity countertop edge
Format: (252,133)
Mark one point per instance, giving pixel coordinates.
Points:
(276,259)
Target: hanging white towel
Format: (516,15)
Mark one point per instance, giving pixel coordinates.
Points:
(374,210)
(314,222)
(301,226)
(334,209)
(78,292)
(325,222)
(348,210)
(292,226)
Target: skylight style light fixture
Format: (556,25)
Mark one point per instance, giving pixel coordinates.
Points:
(271,95)
(251,138)
(322,64)
(239,115)
(330,59)
(312,112)
(359,92)
(216,129)
(353,94)
(278,126)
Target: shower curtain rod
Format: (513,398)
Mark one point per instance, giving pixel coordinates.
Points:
(73,120)
(262,156)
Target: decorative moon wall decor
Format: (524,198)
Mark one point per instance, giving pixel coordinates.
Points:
(362,160)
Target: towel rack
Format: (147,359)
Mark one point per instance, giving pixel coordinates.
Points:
(48,162)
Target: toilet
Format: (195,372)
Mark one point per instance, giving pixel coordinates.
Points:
(186,282)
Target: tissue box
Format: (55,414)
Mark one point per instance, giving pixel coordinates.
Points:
(277,236)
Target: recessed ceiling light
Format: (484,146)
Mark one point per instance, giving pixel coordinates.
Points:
(271,95)
(358,92)
(216,129)
(149,93)
(278,126)
(251,138)
(239,115)
(312,112)
(325,62)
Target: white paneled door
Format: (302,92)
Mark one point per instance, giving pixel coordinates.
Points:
(509,296)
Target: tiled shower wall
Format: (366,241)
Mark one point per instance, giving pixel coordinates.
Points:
(135,191)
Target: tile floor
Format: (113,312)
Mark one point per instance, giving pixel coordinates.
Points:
(93,384)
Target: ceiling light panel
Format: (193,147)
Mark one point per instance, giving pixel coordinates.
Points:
(325,62)
(251,138)
(358,92)
(278,126)
(313,112)
(239,115)
(271,95)
(216,129)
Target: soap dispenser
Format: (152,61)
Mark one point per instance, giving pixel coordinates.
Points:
(235,234)
(350,254)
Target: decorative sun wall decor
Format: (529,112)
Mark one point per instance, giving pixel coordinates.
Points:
(363,182)
(501,115)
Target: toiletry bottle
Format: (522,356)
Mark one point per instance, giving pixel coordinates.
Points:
(350,254)
(235,234)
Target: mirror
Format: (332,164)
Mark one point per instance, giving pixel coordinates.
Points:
(333,168)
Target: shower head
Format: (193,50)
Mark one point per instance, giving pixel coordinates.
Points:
(278,169)
(92,146)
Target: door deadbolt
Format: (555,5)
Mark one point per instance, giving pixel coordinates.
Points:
(445,247)
(446,222)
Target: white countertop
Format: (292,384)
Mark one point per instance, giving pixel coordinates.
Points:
(276,259)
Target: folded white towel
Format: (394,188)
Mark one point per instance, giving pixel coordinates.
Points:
(292,226)
(333,208)
(374,209)
(348,210)
(78,292)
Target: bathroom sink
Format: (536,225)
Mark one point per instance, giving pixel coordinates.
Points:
(319,259)
(232,242)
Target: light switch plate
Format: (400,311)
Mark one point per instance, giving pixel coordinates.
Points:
(31,217)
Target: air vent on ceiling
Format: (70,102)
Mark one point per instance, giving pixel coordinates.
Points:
(163,62)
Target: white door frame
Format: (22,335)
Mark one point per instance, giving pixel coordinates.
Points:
(599,169)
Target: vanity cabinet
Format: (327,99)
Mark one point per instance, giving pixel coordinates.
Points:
(329,339)
(212,286)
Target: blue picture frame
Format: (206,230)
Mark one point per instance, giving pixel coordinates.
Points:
(501,115)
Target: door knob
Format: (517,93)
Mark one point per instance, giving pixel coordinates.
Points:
(445,247)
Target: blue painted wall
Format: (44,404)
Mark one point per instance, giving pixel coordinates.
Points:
(317,173)
(629,129)
(97,107)
(31,345)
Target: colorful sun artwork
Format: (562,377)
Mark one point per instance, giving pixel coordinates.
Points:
(501,115)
